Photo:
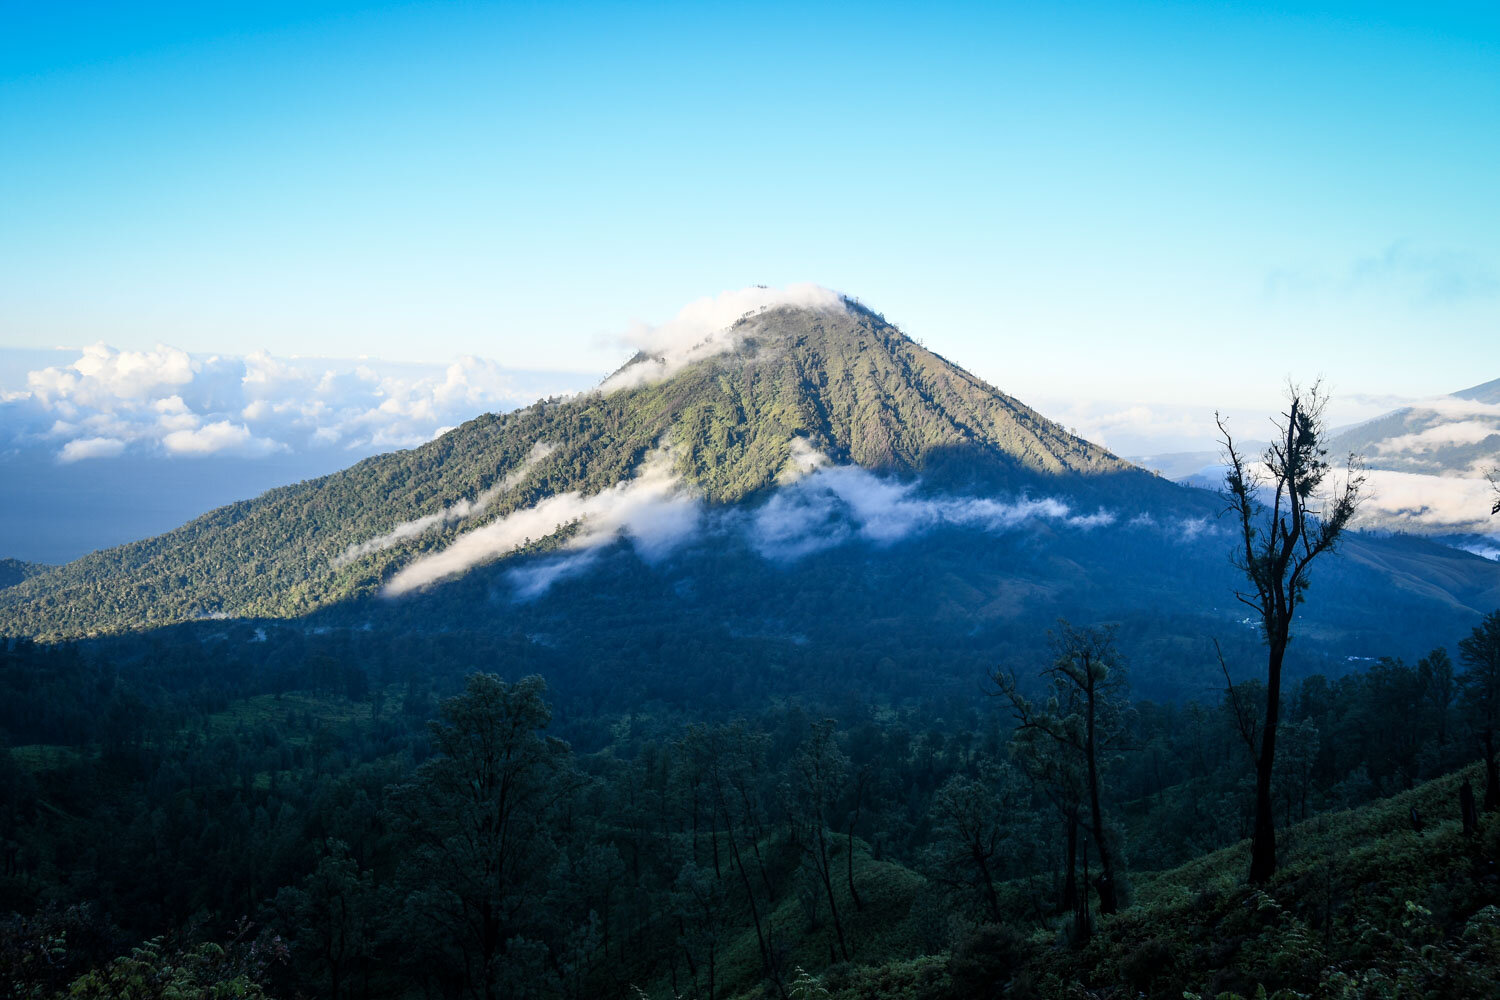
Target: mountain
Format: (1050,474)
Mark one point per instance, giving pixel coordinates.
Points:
(804,486)
(841,379)
(13,571)
(1428,463)
(1456,436)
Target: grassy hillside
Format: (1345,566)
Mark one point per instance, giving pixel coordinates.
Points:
(1363,906)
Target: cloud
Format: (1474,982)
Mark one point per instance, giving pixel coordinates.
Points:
(705,328)
(166,402)
(218,437)
(1456,407)
(653,509)
(1486,548)
(1414,501)
(828,506)
(458,511)
(94,447)
(1404,270)
(1457,433)
(818,507)
(836,503)
(104,378)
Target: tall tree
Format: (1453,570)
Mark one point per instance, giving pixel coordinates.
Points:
(974,817)
(1480,653)
(1085,715)
(822,769)
(1435,674)
(480,815)
(329,916)
(1057,771)
(1290,511)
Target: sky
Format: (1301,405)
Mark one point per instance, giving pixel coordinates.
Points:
(1117,212)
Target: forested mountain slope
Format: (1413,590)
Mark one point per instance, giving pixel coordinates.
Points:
(844,380)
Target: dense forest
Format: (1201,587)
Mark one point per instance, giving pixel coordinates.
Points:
(317,823)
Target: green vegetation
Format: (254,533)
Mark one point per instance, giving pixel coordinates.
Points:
(268,819)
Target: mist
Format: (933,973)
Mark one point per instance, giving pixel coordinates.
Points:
(459,511)
(818,506)
(653,509)
(705,328)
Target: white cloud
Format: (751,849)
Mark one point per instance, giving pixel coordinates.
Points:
(1418,502)
(1487,548)
(1457,433)
(219,436)
(169,403)
(458,511)
(653,509)
(1455,407)
(836,503)
(103,378)
(707,327)
(829,506)
(94,447)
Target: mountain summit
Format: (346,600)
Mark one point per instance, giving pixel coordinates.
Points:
(846,381)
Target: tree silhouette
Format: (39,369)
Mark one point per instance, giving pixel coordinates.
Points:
(1289,513)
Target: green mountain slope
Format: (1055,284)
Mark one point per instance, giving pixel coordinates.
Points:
(845,380)
(1362,906)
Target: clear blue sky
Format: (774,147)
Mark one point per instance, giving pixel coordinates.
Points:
(1133,201)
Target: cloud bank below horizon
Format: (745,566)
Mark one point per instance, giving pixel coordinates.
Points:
(168,403)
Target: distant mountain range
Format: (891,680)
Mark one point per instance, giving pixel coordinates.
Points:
(1427,466)
(1456,435)
(13,571)
(806,483)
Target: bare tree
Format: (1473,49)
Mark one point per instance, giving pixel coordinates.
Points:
(1290,511)
(1494,478)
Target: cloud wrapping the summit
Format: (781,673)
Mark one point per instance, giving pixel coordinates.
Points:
(704,328)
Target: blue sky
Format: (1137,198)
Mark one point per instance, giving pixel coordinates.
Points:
(1142,202)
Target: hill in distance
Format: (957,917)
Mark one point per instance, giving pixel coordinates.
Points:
(13,571)
(801,474)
